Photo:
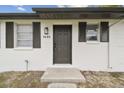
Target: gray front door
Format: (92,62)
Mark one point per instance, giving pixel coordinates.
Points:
(62,44)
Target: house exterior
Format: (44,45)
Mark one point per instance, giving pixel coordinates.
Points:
(84,38)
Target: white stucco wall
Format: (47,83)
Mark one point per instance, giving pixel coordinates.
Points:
(117,46)
(14,59)
(85,56)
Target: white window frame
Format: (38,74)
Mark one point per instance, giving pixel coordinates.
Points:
(15,37)
(98,33)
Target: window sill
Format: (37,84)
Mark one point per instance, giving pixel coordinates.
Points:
(23,48)
(92,42)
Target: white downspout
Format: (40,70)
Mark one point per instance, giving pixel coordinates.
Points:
(109,65)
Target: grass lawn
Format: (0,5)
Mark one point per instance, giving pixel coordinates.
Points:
(31,79)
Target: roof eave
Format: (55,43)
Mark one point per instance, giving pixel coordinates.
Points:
(86,9)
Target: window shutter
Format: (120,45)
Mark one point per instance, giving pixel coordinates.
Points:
(36,35)
(9,35)
(82,31)
(104,32)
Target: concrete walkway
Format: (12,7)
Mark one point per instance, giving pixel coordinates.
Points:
(62,75)
(62,85)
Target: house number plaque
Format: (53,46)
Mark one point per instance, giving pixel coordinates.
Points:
(46,36)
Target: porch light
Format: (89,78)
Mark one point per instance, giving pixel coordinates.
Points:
(46,31)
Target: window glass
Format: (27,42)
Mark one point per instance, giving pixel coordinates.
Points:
(92,32)
(24,36)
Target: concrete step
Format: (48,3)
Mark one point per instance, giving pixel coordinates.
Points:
(62,75)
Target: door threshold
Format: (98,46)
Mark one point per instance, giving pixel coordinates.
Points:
(62,65)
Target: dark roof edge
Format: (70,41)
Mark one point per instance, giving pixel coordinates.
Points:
(17,13)
(77,13)
(84,9)
(19,16)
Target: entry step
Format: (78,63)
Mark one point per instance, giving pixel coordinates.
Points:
(62,75)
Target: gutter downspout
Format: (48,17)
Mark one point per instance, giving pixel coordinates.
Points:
(109,65)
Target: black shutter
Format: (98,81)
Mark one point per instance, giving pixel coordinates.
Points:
(104,32)
(82,31)
(36,35)
(9,35)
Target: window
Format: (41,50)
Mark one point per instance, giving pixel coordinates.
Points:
(24,36)
(92,32)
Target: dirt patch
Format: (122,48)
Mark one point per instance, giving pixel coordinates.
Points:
(103,79)
(31,79)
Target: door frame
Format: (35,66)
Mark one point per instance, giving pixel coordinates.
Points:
(70,63)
